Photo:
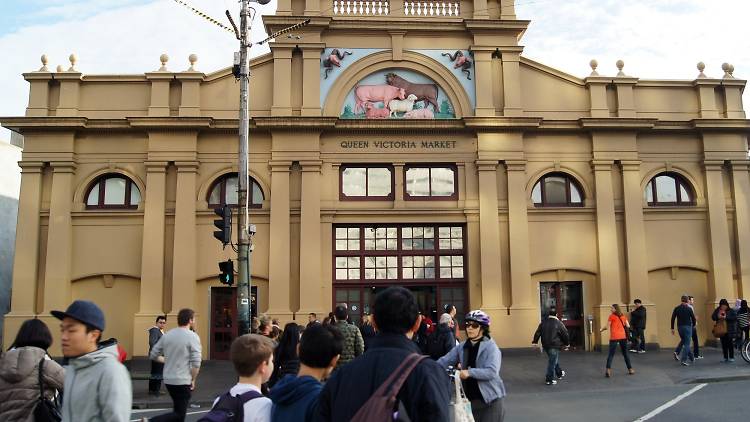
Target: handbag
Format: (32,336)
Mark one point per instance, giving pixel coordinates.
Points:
(625,328)
(460,406)
(46,410)
(720,328)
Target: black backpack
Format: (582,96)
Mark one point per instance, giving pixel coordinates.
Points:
(434,345)
(230,408)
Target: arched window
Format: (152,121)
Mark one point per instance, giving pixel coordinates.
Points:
(669,189)
(113,191)
(557,190)
(224,192)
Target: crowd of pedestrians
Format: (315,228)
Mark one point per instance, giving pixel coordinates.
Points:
(396,364)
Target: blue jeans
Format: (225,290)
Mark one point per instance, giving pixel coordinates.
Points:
(686,334)
(553,363)
(623,348)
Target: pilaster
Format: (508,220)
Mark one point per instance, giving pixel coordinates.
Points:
(279,244)
(707,98)
(152,254)
(311,79)
(489,233)
(635,232)
(625,97)
(159,106)
(741,198)
(480,9)
(70,84)
(38,93)
(511,57)
(597,86)
(606,234)
(518,224)
(58,263)
(312,7)
(184,271)
(733,98)
(282,79)
(720,275)
(483,76)
(310,297)
(190,102)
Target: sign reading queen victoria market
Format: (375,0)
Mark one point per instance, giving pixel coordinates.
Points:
(398,144)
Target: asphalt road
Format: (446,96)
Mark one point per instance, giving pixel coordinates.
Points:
(705,402)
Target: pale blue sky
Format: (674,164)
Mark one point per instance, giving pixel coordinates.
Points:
(655,38)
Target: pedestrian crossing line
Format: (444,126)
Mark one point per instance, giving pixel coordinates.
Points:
(164,410)
(670,403)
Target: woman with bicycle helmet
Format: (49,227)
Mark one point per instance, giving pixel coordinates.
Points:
(478,359)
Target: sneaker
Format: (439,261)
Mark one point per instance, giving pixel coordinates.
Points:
(675,356)
(641,351)
(731,360)
(633,351)
(562,375)
(553,382)
(684,364)
(699,357)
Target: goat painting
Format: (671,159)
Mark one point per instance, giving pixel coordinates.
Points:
(461,61)
(334,59)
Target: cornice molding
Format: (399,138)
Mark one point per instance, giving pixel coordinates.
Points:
(617,123)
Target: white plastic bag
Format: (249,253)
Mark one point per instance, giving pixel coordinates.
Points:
(460,407)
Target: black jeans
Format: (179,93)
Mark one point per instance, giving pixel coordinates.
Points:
(180,397)
(157,372)
(613,348)
(727,346)
(639,338)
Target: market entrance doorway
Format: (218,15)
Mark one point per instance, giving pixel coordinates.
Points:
(567,298)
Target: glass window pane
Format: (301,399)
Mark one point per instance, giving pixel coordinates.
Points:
(353,274)
(406,244)
(648,193)
(418,232)
(340,262)
(442,182)
(341,245)
(429,273)
(379,182)
(380,244)
(554,190)
(418,261)
(353,245)
(419,273)
(458,272)
(445,261)
(380,273)
(536,193)
(353,233)
(406,233)
(93,198)
(353,262)
(429,261)
(342,296)
(418,243)
(392,273)
(684,195)
(418,182)
(231,191)
(340,233)
(392,244)
(114,191)
(369,262)
(408,261)
(666,189)
(457,261)
(257,194)
(429,232)
(370,273)
(369,232)
(369,244)
(445,243)
(392,232)
(444,232)
(380,232)
(575,196)
(341,275)
(135,194)
(456,232)
(445,272)
(457,244)
(353,181)
(391,261)
(408,273)
(429,244)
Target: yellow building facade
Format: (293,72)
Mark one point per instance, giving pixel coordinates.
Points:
(394,143)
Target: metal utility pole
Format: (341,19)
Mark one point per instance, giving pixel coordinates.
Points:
(243,233)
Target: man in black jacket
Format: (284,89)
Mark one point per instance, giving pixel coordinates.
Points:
(554,336)
(425,394)
(157,368)
(685,318)
(638,327)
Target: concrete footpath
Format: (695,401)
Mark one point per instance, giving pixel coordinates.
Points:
(522,372)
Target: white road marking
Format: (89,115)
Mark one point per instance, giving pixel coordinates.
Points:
(163,410)
(670,403)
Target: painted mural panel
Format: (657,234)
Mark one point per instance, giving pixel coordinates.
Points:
(397,93)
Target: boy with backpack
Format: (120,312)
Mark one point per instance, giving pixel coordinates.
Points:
(252,357)
(294,396)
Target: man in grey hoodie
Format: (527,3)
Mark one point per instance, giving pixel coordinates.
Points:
(180,350)
(97,386)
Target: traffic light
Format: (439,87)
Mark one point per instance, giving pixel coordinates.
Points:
(224,234)
(227,272)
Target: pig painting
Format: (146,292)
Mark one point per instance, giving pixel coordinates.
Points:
(423,113)
(375,93)
(372,112)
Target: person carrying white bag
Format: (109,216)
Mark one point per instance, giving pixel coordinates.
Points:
(482,358)
(460,406)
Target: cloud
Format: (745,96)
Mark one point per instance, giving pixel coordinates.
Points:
(663,39)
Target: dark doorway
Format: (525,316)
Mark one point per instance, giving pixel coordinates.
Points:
(223,323)
(567,298)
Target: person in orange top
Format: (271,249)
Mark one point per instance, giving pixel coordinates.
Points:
(617,323)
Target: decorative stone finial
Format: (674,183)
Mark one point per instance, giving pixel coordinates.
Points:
(45,60)
(60,68)
(701,68)
(164,59)
(620,64)
(594,64)
(73,59)
(731,70)
(725,68)
(192,59)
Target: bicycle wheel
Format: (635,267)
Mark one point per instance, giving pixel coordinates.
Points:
(746,351)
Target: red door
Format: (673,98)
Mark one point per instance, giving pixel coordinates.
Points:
(223,321)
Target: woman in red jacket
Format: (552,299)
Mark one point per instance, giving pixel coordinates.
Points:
(618,326)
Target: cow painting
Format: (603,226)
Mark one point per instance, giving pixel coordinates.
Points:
(427,93)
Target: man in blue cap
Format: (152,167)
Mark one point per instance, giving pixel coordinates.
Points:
(97,385)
